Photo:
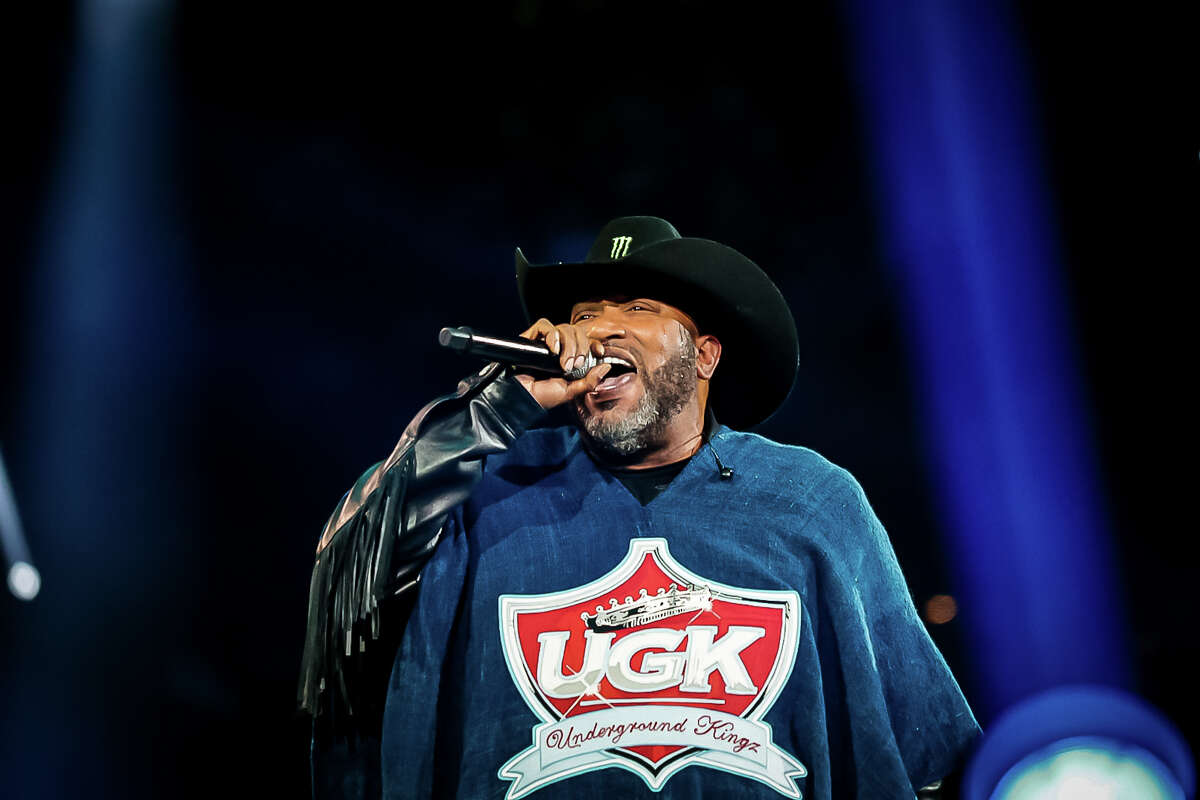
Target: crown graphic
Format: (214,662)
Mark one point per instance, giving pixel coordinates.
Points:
(647,608)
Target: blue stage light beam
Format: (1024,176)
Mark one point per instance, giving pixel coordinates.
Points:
(95,414)
(969,235)
(24,580)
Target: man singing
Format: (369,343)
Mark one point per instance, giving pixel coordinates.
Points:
(648,602)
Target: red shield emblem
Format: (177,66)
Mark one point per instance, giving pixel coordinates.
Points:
(651,668)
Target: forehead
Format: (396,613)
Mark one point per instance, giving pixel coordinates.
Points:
(662,307)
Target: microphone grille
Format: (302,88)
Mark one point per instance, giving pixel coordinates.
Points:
(577,374)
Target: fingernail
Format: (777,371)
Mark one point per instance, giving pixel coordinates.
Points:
(579,362)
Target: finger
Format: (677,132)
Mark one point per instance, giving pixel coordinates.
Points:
(570,347)
(570,350)
(548,393)
(532,331)
(585,347)
(547,332)
(540,330)
(588,382)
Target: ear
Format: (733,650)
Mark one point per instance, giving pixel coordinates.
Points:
(708,355)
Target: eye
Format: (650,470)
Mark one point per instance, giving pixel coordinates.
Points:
(638,307)
(581,317)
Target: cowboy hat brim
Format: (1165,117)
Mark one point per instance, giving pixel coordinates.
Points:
(723,291)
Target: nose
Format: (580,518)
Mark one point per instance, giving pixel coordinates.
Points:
(607,324)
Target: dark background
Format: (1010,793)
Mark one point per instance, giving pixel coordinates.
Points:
(329,188)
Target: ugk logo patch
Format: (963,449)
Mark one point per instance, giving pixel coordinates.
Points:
(650,668)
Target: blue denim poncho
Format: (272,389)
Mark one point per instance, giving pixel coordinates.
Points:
(861,702)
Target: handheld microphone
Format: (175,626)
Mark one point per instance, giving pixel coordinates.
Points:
(532,356)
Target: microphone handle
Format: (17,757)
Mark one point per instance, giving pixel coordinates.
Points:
(521,353)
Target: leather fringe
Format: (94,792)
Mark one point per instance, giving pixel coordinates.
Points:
(350,581)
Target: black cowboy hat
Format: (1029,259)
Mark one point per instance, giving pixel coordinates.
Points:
(726,294)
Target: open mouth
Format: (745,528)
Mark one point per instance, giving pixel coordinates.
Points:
(620,366)
(619,374)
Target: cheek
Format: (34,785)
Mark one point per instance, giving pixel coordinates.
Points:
(661,348)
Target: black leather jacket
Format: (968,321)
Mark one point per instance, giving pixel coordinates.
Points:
(379,537)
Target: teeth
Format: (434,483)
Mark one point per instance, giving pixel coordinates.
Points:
(615,360)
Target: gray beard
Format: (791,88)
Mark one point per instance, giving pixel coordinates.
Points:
(667,390)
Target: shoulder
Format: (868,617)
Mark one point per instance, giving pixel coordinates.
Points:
(787,469)
(769,459)
(540,446)
(535,463)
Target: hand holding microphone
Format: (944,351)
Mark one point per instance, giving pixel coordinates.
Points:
(563,356)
